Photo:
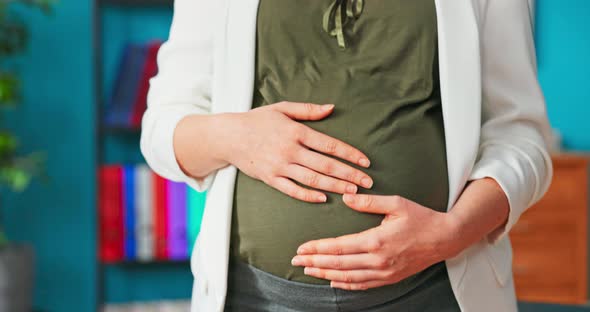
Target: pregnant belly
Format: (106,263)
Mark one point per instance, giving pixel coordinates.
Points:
(407,156)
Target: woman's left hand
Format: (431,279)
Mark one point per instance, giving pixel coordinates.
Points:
(410,238)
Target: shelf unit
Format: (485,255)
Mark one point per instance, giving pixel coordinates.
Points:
(127,272)
(543,238)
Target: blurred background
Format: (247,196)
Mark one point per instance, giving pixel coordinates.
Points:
(85,225)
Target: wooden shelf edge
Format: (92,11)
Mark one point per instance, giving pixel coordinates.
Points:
(147,263)
(119,130)
(568,158)
(137,3)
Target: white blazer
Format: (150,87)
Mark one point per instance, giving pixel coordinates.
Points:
(494,114)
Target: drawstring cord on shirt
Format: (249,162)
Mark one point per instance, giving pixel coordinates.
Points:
(335,19)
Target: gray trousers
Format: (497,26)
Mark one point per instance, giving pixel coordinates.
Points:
(251,289)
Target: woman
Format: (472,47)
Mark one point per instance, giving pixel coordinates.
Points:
(399,196)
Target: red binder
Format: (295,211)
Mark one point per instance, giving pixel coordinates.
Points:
(160,217)
(150,69)
(110,205)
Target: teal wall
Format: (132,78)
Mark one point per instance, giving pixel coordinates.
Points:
(57,116)
(563,45)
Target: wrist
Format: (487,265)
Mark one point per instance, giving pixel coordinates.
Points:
(201,139)
(223,143)
(451,241)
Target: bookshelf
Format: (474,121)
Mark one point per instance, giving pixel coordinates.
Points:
(115,23)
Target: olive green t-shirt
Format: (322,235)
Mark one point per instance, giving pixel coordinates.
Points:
(384,83)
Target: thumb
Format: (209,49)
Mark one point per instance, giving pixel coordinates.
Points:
(303,111)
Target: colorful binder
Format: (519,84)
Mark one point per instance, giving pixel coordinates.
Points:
(150,69)
(195,208)
(120,109)
(146,217)
(129,211)
(177,238)
(110,204)
(144,211)
(161,218)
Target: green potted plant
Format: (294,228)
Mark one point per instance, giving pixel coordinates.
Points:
(16,169)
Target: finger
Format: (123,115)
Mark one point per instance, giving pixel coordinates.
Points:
(317,180)
(348,276)
(343,262)
(303,111)
(332,146)
(330,166)
(290,188)
(371,203)
(360,285)
(365,241)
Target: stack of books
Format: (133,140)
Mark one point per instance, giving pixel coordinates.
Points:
(128,101)
(145,217)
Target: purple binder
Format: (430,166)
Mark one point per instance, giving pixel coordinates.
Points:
(177,239)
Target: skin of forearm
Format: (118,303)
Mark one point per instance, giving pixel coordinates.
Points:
(481,208)
(199,155)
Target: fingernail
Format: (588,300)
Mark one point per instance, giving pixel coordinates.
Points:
(322,198)
(301,250)
(308,270)
(367,182)
(327,106)
(295,261)
(349,198)
(351,188)
(364,162)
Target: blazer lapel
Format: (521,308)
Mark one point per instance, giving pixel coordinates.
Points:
(234,88)
(460,79)
(241,46)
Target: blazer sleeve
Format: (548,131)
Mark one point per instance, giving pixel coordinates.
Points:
(181,87)
(515,130)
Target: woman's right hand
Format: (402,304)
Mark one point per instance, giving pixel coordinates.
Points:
(266,143)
